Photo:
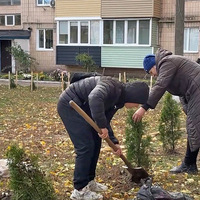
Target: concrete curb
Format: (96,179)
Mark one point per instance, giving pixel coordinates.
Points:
(27,83)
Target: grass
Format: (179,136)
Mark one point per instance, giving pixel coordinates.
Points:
(30,119)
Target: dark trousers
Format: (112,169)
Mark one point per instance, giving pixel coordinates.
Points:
(86,142)
(191,157)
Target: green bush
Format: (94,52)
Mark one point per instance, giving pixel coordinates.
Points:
(12,83)
(27,181)
(4,76)
(87,62)
(137,142)
(25,62)
(42,76)
(169,123)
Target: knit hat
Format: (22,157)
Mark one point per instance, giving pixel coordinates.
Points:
(149,62)
(136,92)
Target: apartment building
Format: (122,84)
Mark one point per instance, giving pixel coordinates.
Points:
(116,33)
(30,24)
(191,27)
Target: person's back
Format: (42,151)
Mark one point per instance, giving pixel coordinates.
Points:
(79,90)
(182,72)
(82,90)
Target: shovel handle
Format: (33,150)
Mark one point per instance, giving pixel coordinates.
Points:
(94,125)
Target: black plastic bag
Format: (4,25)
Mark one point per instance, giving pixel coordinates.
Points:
(154,192)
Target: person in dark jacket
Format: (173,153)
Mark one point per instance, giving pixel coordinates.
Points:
(181,77)
(100,97)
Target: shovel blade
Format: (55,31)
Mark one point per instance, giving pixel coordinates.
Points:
(138,174)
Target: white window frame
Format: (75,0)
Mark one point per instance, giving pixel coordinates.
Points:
(12,4)
(58,32)
(101,29)
(188,39)
(37,40)
(43,4)
(79,33)
(125,33)
(6,20)
(69,32)
(114,32)
(88,25)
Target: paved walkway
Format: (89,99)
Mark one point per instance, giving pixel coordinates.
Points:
(27,83)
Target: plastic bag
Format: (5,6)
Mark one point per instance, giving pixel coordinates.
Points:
(154,192)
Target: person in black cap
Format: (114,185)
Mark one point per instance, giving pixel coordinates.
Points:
(181,77)
(100,97)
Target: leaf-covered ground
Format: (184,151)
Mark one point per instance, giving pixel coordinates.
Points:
(30,119)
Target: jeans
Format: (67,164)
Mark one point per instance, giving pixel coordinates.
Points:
(87,144)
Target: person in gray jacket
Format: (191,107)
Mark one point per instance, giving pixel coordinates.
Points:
(100,97)
(179,76)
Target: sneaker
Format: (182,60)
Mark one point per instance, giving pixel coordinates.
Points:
(85,194)
(97,187)
(183,168)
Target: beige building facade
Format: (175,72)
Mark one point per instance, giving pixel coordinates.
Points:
(117,34)
(44,29)
(30,24)
(191,27)
(39,18)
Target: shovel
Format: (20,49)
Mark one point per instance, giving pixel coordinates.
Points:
(137,173)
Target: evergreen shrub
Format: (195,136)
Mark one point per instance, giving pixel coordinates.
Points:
(169,123)
(27,180)
(87,62)
(137,142)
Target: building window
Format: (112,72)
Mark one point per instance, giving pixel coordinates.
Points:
(45,39)
(120,32)
(79,32)
(17,19)
(10,20)
(63,32)
(73,32)
(144,32)
(2,20)
(191,39)
(10,2)
(94,32)
(108,32)
(43,2)
(131,35)
(84,32)
(135,32)
(16,2)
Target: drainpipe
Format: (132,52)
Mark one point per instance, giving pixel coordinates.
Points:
(179,27)
(0,56)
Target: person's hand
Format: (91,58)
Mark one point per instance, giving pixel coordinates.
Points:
(104,133)
(137,116)
(119,150)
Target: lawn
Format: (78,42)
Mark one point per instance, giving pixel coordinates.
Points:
(30,119)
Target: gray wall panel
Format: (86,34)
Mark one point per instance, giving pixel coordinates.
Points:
(66,55)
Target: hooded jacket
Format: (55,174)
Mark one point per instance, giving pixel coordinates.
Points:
(179,76)
(100,97)
(103,96)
